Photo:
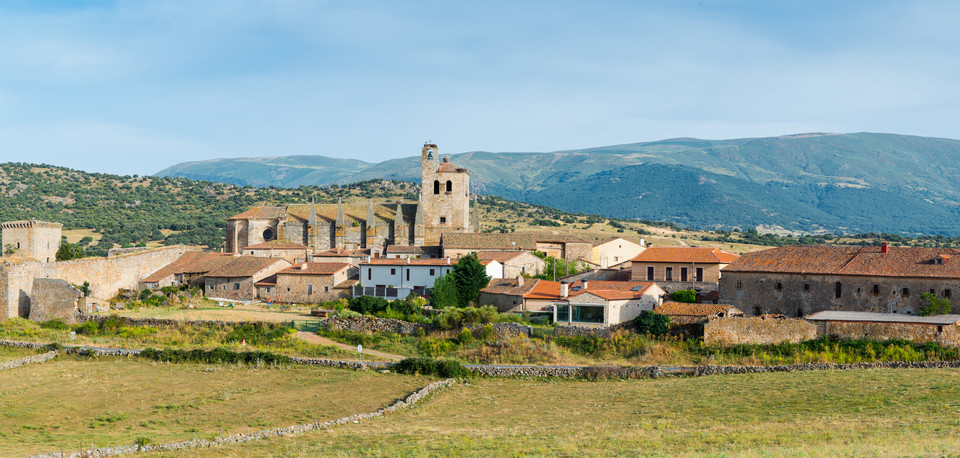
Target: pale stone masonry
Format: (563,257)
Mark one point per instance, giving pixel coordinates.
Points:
(39,240)
(444,206)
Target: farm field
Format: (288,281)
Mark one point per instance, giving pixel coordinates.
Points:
(68,403)
(236,313)
(872,412)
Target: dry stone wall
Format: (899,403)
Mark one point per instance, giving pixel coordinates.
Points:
(34,359)
(921,333)
(757,330)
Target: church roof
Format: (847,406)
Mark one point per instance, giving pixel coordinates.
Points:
(386,213)
(260,213)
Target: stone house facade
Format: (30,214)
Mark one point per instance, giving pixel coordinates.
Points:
(444,206)
(800,280)
(600,303)
(560,246)
(515,263)
(235,280)
(293,252)
(942,329)
(308,283)
(34,239)
(678,268)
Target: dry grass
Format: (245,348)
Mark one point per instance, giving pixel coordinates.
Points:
(12,353)
(876,412)
(74,235)
(237,313)
(67,404)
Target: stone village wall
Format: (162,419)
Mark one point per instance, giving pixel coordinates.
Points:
(106,275)
(921,333)
(757,330)
(54,299)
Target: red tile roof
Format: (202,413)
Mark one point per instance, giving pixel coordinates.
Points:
(685,309)
(851,260)
(610,290)
(337,252)
(244,266)
(190,262)
(683,255)
(403,262)
(276,245)
(509,286)
(315,268)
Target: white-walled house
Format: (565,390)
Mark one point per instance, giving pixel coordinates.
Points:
(616,250)
(605,303)
(494,268)
(398,277)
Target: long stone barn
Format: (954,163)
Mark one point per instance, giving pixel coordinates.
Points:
(801,280)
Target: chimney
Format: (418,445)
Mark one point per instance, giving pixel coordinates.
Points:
(584,284)
(643,242)
(563,290)
(408,260)
(303,266)
(448,261)
(884,248)
(519,280)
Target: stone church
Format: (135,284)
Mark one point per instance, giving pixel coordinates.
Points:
(444,206)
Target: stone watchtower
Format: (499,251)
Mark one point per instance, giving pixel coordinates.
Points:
(446,196)
(32,239)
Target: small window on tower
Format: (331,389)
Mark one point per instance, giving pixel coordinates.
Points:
(449,186)
(443,220)
(436,186)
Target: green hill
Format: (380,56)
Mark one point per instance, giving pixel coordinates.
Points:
(838,182)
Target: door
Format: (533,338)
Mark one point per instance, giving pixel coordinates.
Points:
(683,274)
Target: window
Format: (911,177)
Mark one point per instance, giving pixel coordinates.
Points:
(393,271)
(683,274)
(268,289)
(932,291)
(369,274)
(326,289)
(740,286)
(433,272)
(757,311)
(443,220)
(906,292)
(946,293)
(799,313)
(408,274)
(779,286)
(436,187)
(668,276)
(268,234)
(699,274)
(236,286)
(876,289)
(837,287)
(806,286)
(449,186)
(309,289)
(649,273)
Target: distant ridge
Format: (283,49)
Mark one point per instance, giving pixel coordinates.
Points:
(857,182)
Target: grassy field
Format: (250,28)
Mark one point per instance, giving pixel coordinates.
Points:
(863,412)
(67,403)
(236,313)
(12,353)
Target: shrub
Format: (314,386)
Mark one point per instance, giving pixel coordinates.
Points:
(55,323)
(428,366)
(348,314)
(258,333)
(87,328)
(465,337)
(684,295)
(215,356)
(368,304)
(652,323)
(436,347)
(486,332)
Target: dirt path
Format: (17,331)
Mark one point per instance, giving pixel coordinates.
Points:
(315,339)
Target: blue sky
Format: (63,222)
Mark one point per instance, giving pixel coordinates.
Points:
(136,86)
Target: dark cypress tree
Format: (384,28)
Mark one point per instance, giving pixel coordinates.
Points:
(470,277)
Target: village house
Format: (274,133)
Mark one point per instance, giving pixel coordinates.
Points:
(676,268)
(235,280)
(396,278)
(514,262)
(604,303)
(308,283)
(615,251)
(800,280)
(341,255)
(560,246)
(292,252)
(188,269)
(535,295)
(685,313)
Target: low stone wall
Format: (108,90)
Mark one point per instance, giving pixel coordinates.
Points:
(584,331)
(724,370)
(920,333)
(404,403)
(371,324)
(167,323)
(756,330)
(35,359)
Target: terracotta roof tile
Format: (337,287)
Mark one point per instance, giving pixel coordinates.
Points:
(509,286)
(699,255)
(685,309)
(244,266)
(850,260)
(261,213)
(190,262)
(337,252)
(403,262)
(512,241)
(499,256)
(412,249)
(276,245)
(315,268)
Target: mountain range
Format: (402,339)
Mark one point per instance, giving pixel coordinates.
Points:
(858,182)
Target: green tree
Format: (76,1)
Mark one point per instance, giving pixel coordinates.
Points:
(470,277)
(934,305)
(652,323)
(444,293)
(70,251)
(684,295)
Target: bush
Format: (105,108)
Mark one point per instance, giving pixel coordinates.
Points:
(215,356)
(436,347)
(427,366)
(258,333)
(348,314)
(652,323)
(465,337)
(55,323)
(88,328)
(684,295)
